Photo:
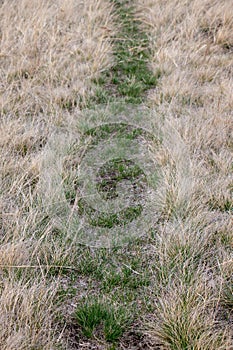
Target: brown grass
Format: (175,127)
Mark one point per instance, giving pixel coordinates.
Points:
(192,45)
(50,53)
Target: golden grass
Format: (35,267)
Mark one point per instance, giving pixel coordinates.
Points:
(26,316)
(50,53)
(192,45)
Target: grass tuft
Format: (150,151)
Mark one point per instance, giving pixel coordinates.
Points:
(112,321)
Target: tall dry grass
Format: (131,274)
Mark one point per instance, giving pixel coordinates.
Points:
(191,45)
(50,53)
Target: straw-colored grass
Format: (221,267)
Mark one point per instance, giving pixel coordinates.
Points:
(191,44)
(50,53)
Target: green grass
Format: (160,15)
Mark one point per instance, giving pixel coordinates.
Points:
(111,321)
(228,295)
(116,282)
(120,275)
(127,131)
(224,205)
(130,76)
(109,220)
(115,268)
(107,178)
(131,73)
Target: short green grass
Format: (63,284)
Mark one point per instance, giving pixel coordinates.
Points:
(117,280)
(109,320)
(131,73)
(121,274)
(115,171)
(130,76)
(118,268)
(109,220)
(107,178)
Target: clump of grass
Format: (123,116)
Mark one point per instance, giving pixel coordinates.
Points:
(110,320)
(27,314)
(179,325)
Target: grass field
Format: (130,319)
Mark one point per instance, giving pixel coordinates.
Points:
(167,64)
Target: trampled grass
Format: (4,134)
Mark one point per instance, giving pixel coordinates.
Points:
(171,287)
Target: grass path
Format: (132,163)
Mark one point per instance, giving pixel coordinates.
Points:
(156,63)
(130,77)
(155,289)
(116,280)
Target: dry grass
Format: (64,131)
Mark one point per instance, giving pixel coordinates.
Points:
(26,316)
(50,53)
(192,44)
